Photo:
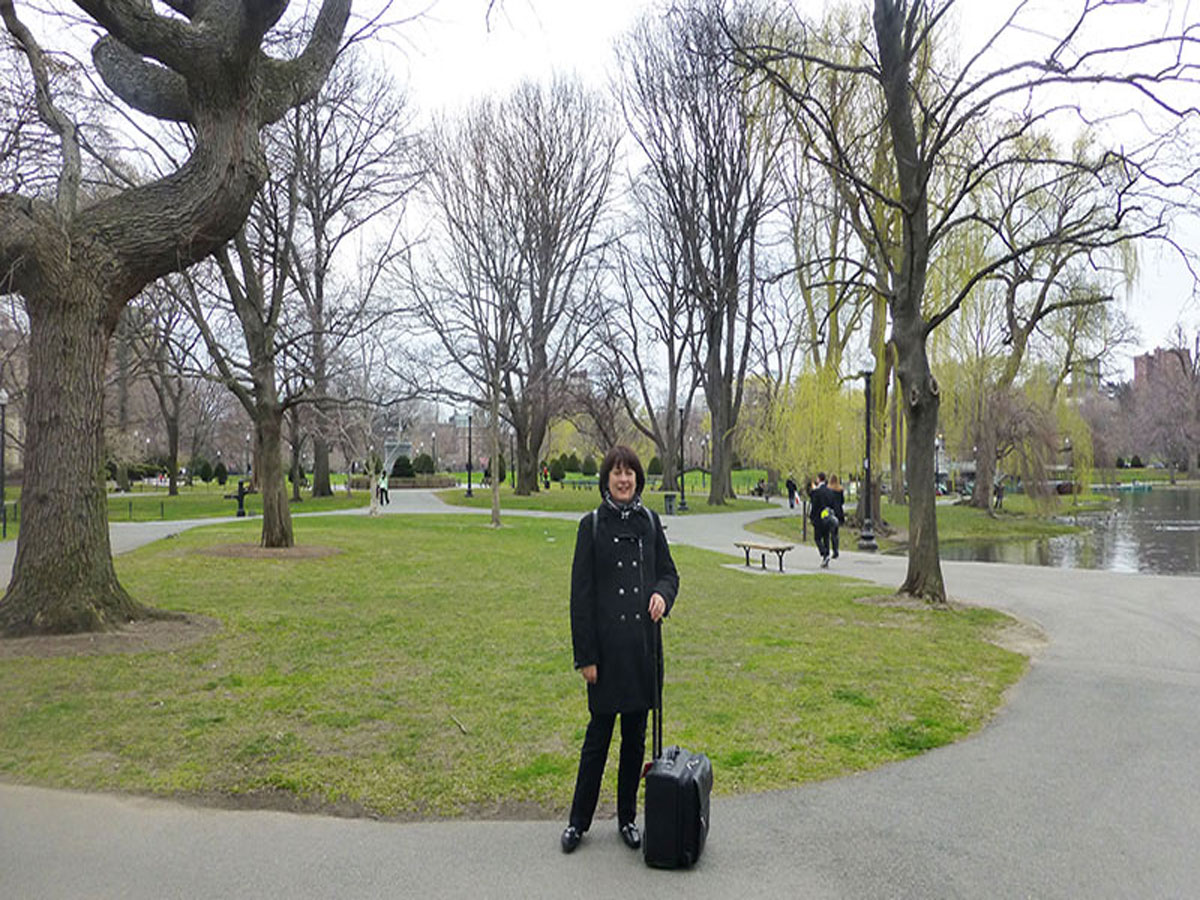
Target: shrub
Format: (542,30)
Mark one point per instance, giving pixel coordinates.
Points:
(557,472)
(572,463)
(220,473)
(655,467)
(204,471)
(1135,462)
(1120,462)
(403,466)
(589,466)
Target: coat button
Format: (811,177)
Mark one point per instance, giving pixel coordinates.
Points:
(614,540)
(622,617)
(635,590)
(637,616)
(621,591)
(635,563)
(619,564)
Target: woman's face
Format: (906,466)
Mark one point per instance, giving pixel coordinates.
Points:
(622,483)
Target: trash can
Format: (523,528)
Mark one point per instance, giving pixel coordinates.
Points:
(669,504)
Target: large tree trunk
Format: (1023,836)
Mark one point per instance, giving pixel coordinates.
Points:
(321,485)
(63,578)
(173,454)
(268,464)
(924,576)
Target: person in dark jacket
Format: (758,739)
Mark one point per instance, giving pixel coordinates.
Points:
(839,512)
(623,581)
(822,511)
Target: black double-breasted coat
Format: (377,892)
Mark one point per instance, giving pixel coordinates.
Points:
(621,558)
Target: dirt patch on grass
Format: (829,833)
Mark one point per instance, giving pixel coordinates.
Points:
(146,636)
(254,551)
(904,601)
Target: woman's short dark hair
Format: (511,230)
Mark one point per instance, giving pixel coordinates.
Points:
(624,456)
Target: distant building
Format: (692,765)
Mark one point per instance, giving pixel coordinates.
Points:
(1151,367)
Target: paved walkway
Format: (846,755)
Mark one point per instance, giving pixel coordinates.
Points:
(1086,785)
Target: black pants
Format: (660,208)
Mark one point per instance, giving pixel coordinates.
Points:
(591,767)
(825,533)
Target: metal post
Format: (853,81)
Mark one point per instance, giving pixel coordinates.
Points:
(512,460)
(470,453)
(434,436)
(866,538)
(682,491)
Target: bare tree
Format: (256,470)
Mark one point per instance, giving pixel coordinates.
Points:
(166,342)
(646,337)
(77,259)
(710,148)
(1167,406)
(352,153)
(929,122)
(467,285)
(521,186)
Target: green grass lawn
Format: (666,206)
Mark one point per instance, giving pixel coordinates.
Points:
(209,501)
(425,670)
(569,499)
(200,501)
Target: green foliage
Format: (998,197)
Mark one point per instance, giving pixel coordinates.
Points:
(557,470)
(1135,462)
(814,424)
(339,680)
(403,467)
(203,469)
(655,467)
(590,468)
(220,473)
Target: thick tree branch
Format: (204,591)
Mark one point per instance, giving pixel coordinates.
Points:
(288,84)
(144,85)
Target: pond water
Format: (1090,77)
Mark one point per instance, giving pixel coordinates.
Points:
(1156,531)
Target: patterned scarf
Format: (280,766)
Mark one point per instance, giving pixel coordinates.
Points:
(624,510)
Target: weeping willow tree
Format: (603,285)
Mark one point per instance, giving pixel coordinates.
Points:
(812,424)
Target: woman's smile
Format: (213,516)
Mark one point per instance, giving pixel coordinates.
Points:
(622,484)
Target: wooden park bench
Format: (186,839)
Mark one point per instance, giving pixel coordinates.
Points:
(777,549)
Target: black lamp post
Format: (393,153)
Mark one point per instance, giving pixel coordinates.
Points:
(470,453)
(434,437)
(512,460)
(682,495)
(704,462)
(3,431)
(866,538)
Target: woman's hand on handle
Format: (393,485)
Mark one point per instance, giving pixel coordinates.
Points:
(658,606)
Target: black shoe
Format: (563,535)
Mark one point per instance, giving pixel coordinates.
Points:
(835,554)
(631,836)
(571,838)
(824,562)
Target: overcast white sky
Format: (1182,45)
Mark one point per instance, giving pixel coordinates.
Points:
(455,55)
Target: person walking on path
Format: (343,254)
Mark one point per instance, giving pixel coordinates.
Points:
(793,491)
(383,489)
(838,519)
(623,581)
(823,509)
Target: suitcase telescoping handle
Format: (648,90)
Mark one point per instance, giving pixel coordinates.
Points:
(659,675)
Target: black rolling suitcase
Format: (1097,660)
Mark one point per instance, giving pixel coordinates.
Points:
(678,787)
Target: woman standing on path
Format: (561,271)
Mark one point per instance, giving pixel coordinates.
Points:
(623,581)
